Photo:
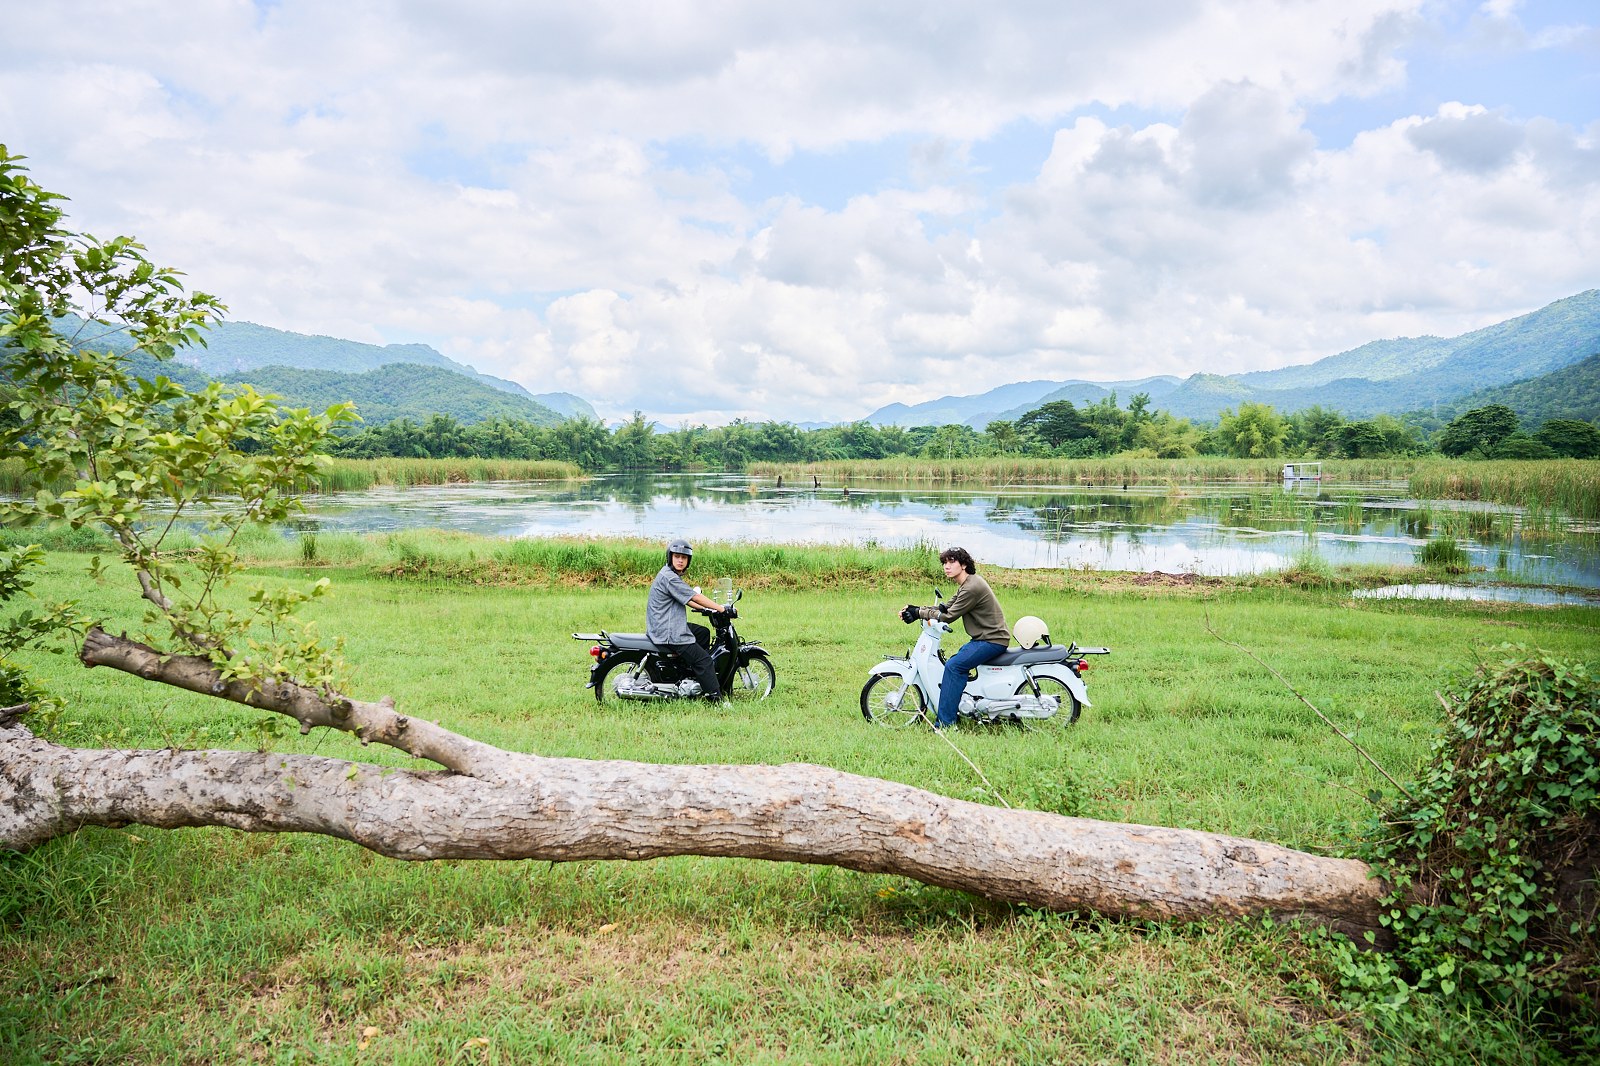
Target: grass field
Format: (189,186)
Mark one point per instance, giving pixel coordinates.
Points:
(214,946)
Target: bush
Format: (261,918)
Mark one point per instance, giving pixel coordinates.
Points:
(1493,867)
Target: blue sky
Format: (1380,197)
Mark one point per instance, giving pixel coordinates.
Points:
(708,209)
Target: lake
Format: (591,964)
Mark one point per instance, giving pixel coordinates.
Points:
(1215,529)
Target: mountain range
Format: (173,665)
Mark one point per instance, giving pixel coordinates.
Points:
(266,357)
(1387,376)
(1540,364)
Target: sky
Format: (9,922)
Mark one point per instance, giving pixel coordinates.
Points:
(735,208)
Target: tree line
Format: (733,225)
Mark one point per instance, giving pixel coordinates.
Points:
(1059,429)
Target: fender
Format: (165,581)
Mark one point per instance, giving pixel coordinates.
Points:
(900,667)
(1060,672)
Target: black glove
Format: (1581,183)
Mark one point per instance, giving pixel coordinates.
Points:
(910,614)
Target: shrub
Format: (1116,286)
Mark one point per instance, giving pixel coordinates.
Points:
(1492,870)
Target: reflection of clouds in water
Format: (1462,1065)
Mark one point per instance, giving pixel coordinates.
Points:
(1496,593)
(1217,531)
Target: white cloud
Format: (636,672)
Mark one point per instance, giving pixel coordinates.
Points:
(555,192)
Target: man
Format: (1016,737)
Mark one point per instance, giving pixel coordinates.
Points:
(666,618)
(980,615)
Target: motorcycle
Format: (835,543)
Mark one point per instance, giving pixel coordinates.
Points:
(1019,686)
(630,666)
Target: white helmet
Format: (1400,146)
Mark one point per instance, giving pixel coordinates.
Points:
(1031,631)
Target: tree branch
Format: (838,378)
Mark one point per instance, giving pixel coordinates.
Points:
(375,723)
(570,809)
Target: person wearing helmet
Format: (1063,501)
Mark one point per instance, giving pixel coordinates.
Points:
(975,604)
(666,617)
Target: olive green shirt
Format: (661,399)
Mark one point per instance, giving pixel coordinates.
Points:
(979,611)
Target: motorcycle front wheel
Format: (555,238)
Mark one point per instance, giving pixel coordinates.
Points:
(891,701)
(751,682)
(622,665)
(1068,707)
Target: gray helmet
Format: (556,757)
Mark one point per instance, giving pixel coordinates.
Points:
(679,546)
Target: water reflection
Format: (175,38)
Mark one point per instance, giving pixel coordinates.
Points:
(1217,529)
(1481,593)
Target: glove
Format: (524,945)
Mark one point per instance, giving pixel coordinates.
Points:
(910,614)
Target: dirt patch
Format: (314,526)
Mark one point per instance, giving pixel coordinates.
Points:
(1156,577)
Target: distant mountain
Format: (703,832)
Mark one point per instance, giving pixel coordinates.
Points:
(382,391)
(397,390)
(1412,372)
(1571,392)
(1083,393)
(235,347)
(1006,402)
(1380,377)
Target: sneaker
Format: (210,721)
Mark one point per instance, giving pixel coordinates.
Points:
(951,728)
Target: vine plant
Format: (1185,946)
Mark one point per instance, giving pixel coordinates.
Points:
(1492,859)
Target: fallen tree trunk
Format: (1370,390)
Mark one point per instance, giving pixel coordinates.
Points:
(518,806)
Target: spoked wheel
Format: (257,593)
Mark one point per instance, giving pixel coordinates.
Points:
(620,667)
(751,682)
(1068,707)
(891,701)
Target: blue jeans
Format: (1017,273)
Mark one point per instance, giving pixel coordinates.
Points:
(973,653)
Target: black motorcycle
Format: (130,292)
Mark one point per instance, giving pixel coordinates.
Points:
(630,666)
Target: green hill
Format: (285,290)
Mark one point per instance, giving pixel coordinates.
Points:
(1374,378)
(1571,392)
(382,389)
(233,348)
(397,390)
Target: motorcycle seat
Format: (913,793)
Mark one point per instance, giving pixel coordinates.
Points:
(635,642)
(640,642)
(1050,653)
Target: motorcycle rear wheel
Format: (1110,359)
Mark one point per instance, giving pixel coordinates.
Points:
(908,707)
(1068,708)
(751,682)
(604,684)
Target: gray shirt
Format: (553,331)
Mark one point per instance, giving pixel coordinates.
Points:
(666,616)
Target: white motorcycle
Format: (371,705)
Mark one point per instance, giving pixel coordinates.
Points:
(1021,685)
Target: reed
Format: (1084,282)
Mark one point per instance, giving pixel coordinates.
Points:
(1115,470)
(1570,486)
(470,559)
(16,480)
(350,475)
(1443,553)
(347,475)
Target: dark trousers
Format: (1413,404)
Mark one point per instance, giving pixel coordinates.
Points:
(699,661)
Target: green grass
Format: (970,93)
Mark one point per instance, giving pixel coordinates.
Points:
(209,945)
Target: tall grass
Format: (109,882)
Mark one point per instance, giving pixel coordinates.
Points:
(1571,486)
(1016,470)
(472,559)
(345,475)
